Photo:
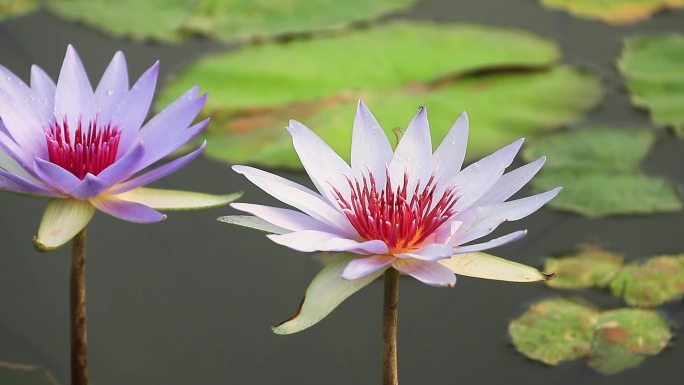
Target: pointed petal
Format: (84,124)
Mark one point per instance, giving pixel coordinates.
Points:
(324,166)
(288,219)
(44,87)
(74,98)
(23,125)
(128,211)
(252,222)
(496,242)
(165,145)
(413,154)
(89,187)
(363,267)
(159,172)
(62,220)
(370,149)
(481,265)
(298,197)
(55,176)
(475,180)
(432,252)
(13,158)
(176,200)
(25,97)
(450,154)
(131,111)
(112,88)
(123,167)
(18,184)
(510,183)
(311,240)
(429,272)
(323,295)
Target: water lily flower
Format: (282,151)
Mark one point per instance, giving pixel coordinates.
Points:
(92,150)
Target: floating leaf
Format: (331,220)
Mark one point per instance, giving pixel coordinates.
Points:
(591,267)
(13,8)
(598,169)
(614,11)
(20,374)
(505,81)
(149,19)
(653,283)
(653,68)
(231,19)
(625,337)
(555,330)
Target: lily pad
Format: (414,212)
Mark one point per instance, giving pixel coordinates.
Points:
(507,82)
(653,69)
(13,8)
(555,330)
(653,283)
(21,374)
(591,267)
(625,337)
(614,11)
(233,19)
(159,20)
(598,168)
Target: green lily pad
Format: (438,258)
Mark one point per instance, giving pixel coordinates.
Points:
(159,20)
(625,337)
(233,19)
(13,8)
(653,283)
(20,374)
(591,267)
(507,82)
(555,330)
(613,11)
(598,169)
(653,69)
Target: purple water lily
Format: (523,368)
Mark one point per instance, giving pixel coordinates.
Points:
(90,149)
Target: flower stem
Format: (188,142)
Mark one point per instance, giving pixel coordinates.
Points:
(390,375)
(79,337)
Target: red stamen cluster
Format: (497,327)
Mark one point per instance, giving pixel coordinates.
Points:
(88,151)
(389,215)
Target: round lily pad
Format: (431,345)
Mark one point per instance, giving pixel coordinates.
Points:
(652,67)
(555,330)
(599,171)
(591,267)
(625,337)
(13,8)
(653,283)
(614,11)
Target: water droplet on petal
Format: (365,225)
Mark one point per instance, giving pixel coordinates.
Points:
(110,92)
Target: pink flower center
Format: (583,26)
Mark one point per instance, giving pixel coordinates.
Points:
(388,215)
(88,150)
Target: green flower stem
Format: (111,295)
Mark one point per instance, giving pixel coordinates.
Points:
(390,375)
(79,336)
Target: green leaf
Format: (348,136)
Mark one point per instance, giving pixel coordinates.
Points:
(324,294)
(659,280)
(482,265)
(159,20)
(614,11)
(591,267)
(598,169)
(625,337)
(506,82)
(555,330)
(652,67)
(232,19)
(62,220)
(21,374)
(169,200)
(14,8)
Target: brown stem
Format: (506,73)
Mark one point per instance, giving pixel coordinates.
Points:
(79,336)
(390,375)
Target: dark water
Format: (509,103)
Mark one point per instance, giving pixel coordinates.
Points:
(190,301)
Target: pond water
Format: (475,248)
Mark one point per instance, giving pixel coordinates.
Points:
(190,301)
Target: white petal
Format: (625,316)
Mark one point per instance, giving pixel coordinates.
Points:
(481,265)
(324,294)
(74,98)
(429,272)
(285,218)
(253,222)
(370,150)
(311,240)
(510,183)
(363,267)
(496,242)
(62,220)
(413,155)
(430,252)
(449,156)
(169,200)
